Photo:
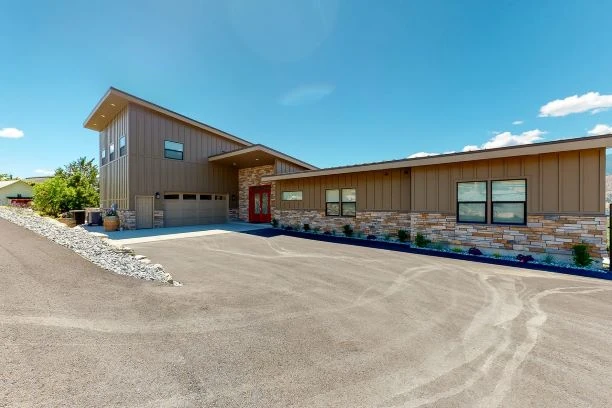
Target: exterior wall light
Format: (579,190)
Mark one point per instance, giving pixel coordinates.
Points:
(157,196)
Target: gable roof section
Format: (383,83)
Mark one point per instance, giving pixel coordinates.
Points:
(580,143)
(7,183)
(256,155)
(114,100)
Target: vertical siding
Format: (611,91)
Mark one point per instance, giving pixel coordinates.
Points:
(114,180)
(282,167)
(150,172)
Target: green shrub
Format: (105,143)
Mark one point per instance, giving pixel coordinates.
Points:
(274,222)
(496,255)
(548,259)
(421,241)
(402,235)
(581,255)
(387,237)
(316,230)
(348,230)
(306,227)
(457,250)
(439,245)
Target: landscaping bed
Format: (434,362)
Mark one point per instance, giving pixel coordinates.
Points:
(93,248)
(389,243)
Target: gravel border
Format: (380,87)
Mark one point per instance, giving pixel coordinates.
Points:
(119,260)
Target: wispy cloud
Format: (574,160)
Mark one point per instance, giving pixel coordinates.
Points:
(422,154)
(601,129)
(44,172)
(590,101)
(11,133)
(508,139)
(518,122)
(306,94)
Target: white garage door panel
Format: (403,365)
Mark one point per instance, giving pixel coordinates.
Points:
(195,212)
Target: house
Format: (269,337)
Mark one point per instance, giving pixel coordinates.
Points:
(16,192)
(164,169)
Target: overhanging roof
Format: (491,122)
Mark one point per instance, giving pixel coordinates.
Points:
(256,155)
(115,100)
(565,145)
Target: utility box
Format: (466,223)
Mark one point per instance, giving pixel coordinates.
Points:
(93,216)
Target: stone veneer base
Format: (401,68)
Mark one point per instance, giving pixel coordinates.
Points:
(127,219)
(543,234)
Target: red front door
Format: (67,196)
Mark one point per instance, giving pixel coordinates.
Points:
(259,204)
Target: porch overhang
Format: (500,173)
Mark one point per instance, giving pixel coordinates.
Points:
(254,156)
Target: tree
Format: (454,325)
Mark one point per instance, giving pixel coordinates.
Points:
(5,176)
(73,187)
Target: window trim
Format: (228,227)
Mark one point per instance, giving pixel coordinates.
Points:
(509,202)
(122,149)
(457,202)
(182,152)
(292,199)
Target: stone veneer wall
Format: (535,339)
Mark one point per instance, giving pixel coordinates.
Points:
(368,222)
(552,234)
(127,219)
(248,177)
(233,214)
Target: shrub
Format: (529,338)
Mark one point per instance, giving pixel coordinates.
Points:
(316,230)
(421,241)
(306,227)
(402,235)
(524,258)
(274,222)
(348,230)
(548,259)
(371,237)
(297,227)
(581,255)
(457,250)
(439,246)
(387,237)
(474,251)
(496,255)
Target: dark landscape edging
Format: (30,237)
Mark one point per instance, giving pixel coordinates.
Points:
(399,247)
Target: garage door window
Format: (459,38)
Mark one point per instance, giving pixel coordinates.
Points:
(171,196)
(189,196)
(205,197)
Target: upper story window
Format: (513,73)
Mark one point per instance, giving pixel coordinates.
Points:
(509,202)
(472,202)
(103,156)
(122,146)
(291,196)
(111,152)
(173,150)
(341,202)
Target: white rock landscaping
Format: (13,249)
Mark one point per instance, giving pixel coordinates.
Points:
(91,247)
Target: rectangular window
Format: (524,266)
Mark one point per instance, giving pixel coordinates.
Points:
(349,202)
(189,196)
(219,197)
(103,157)
(205,197)
(472,202)
(171,196)
(111,152)
(292,196)
(122,146)
(173,150)
(509,202)
(332,202)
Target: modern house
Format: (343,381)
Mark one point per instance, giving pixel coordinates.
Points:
(164,169)
(16,192)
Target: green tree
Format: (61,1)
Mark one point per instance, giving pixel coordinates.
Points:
(73,187)
(5,176)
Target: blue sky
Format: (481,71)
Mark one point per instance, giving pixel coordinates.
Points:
(330,82)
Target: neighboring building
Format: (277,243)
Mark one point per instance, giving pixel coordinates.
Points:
(162,168)
(16,192)
(37,180)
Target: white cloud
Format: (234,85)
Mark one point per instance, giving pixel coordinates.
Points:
(601,129)
(518,122)
(306,94)
(505,139)
(422,154)
(44,172)
(11,133)
(591,101)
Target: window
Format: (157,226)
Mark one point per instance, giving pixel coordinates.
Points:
(509,202)
(111,152)
(292,196)
(103,156)
(122,146)
(189,196)
(171,196)
(341,202)
(205,197)
(219,197)
(173,150)
(349,202)
(472,202)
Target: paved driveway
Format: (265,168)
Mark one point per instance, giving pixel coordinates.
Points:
(276,322)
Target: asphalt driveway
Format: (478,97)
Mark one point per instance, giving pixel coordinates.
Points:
(276,322)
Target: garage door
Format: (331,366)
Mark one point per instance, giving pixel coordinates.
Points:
(194,209)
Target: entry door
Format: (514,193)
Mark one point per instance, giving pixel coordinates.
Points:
(144,211)
(259,204)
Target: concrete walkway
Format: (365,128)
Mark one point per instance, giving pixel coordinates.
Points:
(164,234)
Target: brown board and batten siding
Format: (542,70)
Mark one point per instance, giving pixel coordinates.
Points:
(114,189)
(150,172)
(385,190)
(557,183)
(284,167)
